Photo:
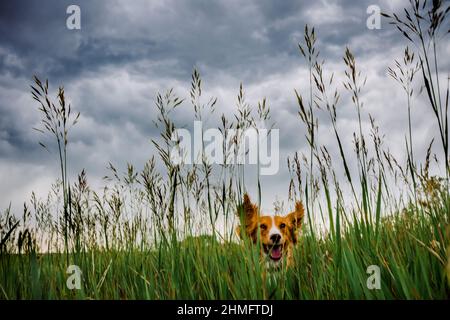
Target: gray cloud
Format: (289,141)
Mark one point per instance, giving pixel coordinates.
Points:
(127,52)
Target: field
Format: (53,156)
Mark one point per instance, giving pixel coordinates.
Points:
(170,234)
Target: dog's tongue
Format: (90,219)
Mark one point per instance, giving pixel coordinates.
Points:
(276,252)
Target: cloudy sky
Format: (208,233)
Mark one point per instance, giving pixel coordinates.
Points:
(128,51)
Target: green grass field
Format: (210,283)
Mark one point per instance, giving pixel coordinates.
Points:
(409,250)
(170,234)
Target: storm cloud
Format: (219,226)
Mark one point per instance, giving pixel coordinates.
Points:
(127,52)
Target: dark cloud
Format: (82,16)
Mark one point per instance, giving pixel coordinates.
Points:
(126,52)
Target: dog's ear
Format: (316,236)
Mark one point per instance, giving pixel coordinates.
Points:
(297,215)
(250,214)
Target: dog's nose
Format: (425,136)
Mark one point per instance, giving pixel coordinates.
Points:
(275,238)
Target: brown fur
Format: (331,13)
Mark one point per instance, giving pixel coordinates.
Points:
(287,226)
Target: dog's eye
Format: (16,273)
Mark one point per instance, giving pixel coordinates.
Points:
(263,227)
(282,226)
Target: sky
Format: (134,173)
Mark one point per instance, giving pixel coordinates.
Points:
(128,51)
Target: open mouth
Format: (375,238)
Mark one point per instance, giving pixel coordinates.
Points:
(275,252)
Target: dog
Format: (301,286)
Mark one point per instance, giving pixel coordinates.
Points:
(277,234)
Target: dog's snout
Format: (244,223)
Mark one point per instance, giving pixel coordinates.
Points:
(275,238)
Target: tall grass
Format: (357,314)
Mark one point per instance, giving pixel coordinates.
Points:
(421,25)
(170,234)
(404,74)
(56,120)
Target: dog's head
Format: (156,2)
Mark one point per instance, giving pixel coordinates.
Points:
(277,233)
